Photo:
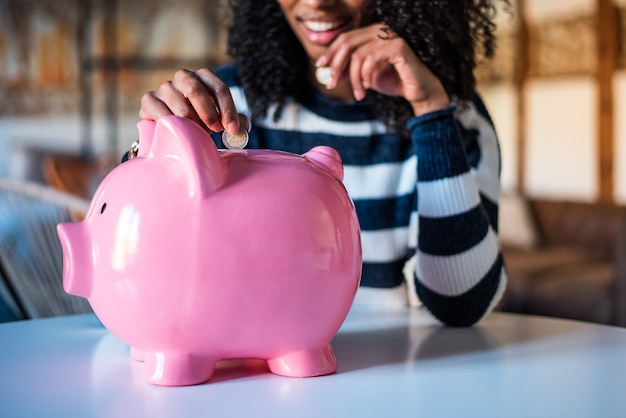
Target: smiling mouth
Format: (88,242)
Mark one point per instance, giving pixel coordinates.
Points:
(319,26)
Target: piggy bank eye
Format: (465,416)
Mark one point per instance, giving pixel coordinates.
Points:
(103,208)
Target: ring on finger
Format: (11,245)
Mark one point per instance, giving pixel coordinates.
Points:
(387,33)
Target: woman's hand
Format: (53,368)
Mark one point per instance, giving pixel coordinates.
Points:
(376,58)
(200,96)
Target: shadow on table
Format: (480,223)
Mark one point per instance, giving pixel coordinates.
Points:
(517,336)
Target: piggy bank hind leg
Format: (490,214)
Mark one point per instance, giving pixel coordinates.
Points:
(173,368)
(136,354)
(305,363)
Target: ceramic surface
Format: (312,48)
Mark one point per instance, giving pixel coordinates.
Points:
(192,255)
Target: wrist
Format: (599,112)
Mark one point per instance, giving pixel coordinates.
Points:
(431,104)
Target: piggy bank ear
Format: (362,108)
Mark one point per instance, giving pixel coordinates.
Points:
(146,134)
(194,151)
(328,158)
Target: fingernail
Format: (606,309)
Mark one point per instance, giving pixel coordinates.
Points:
(216,126)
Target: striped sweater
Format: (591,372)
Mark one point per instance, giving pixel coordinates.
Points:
(427,207)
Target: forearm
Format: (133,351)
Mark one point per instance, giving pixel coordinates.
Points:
(459,264)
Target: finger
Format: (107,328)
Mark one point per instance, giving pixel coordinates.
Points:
(166,101)
(355,73)
(199,97)
(372,66)
(223,100)
(366,72)
(384,79)
(365,62)
(341,50)
(353,37)
(152,107)
(338,64)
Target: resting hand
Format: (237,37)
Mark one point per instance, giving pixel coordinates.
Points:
(200,96)
(374,57)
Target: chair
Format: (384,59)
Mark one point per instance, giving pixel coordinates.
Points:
(76,174)
(31,258)
(568,259)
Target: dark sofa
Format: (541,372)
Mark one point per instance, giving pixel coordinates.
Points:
(573,267)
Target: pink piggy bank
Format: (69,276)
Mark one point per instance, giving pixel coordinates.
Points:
(193,255)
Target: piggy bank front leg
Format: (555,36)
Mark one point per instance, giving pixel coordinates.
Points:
(173,368)
(305,363)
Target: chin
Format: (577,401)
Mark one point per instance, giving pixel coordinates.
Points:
(314,52)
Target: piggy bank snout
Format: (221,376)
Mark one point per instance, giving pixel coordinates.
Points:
(77,260)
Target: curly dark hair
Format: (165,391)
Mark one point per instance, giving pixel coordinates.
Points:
(446,35)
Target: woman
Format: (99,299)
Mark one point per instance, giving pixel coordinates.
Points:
(395,96)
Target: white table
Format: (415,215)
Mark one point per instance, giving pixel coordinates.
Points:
(392,364)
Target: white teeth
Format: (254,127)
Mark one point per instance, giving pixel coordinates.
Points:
(317,26)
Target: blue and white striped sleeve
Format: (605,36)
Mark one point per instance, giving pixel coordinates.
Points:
(459,272)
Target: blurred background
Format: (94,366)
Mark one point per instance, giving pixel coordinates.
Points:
(72,73)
